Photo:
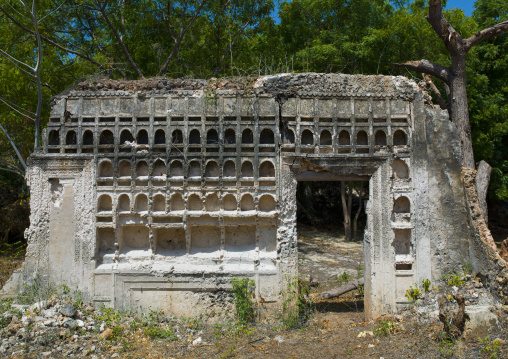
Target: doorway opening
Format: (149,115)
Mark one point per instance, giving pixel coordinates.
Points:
(331,221)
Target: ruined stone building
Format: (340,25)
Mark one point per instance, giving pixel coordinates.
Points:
(157,196)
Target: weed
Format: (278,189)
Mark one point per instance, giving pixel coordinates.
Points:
(446,348)
(37,291)
(243,292)
(344,278)
(413,294)
(467,269)
(154,327)
(384,328)
(426,285)
(297,306)
(490,347)
(454,280)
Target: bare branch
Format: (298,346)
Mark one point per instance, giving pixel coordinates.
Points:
(9,170)
(45,39)
(427,67)
(15,62)
(11,166)
(179,40)
(430,83)
(442,26)
(23,163)
(17,108)
(487,33)
(120,41)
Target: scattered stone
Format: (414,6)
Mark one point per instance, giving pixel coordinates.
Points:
(13,327)
(106,334)
(334,320)
(197,341)
(68,310)
(279,339)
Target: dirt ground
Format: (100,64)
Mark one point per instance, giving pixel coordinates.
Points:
(335,329)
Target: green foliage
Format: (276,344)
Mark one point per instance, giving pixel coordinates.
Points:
(344,278)
(37,291)
(413,294)
(454,280)
(490,347)
(154,329)
(426,285)
(243,294)
(297,306)
(467,269)
(384,328)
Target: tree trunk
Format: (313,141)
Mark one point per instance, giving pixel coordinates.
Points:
(482,181)
(355,221)
(343,289)
(345,210)
(459,107)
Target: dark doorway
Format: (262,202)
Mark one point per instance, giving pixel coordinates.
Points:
(329,254)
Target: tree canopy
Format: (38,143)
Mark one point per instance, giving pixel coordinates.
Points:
(222,38)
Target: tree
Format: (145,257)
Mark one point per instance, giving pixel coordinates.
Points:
(454,76)
(34,73)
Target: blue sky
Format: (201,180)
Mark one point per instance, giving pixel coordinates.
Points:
(466,5)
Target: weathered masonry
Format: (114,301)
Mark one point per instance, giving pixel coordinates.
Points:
(158,196)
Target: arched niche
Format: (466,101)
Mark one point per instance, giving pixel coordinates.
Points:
(124,169)
(344,138)
(104,203)
(88,138)
(325,139)
(124,203)
(194,203)
(229,169)
(266,137)
(160,137)
(399,138)
(402,205)
(177,137)
(289,136)
(307,138)
(70,138)
(229,202)
(141,203)
(53,138)
(247,136)
(212,203)
(266,203)
(159,168)
(229,137)
(194,137)
(247,169)
(247,203)
(106,169)
(176,169)
(362,139)
(142,137)
(212,137)
(159,203)
(194,169)
(380,138)
(126,136)
(141,169)
(400,169)
(106,138)
(176,203)
(212,169)
(267,169)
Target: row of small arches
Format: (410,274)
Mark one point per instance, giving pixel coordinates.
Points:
(212,138)
(266,137)
(212,203)
(176,169)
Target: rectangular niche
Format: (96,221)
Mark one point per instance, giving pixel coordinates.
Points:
(402,242)
(240,238)
(268,238)
(170,241)
(135,237)
(205,239)
(106,240)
